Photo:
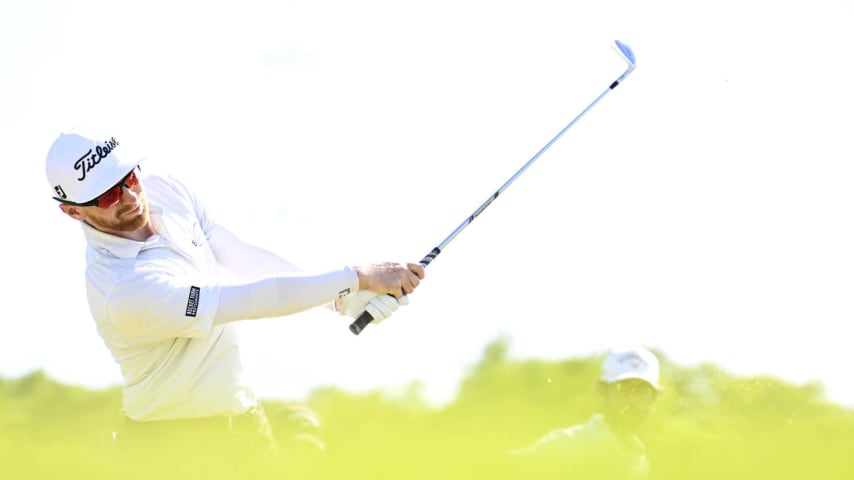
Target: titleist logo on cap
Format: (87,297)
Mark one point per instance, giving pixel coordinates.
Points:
(90,159)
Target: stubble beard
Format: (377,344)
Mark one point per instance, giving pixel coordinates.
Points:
(121,222)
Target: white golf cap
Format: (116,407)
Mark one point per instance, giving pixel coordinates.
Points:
(635,362)
(81,166)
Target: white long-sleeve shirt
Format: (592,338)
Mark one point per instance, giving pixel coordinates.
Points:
(164,314)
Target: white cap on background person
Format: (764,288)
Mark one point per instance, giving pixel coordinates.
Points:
(81,166)
(635,362)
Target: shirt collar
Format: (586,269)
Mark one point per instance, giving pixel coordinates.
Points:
(118,246)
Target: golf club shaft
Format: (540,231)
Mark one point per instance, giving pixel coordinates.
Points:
(365,318)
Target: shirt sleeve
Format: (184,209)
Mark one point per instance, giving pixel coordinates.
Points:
(284,295)
(244,259)
(248,261)
(161,307)
(268,285)
(542,444)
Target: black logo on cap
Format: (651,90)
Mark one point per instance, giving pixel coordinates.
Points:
(60,192)
(90,159)
(634,360)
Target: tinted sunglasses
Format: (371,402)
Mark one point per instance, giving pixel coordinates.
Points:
(113,195)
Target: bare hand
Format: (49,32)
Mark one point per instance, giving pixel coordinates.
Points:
(396,279)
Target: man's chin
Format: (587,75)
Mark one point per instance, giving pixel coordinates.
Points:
(136,224)
(128,224)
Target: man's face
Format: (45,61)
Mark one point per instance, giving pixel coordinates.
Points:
(628,402)
(129,215)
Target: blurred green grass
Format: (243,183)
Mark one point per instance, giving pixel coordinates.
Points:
(708,424)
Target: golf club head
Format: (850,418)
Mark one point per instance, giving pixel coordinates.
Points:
(626,52)
(628,55)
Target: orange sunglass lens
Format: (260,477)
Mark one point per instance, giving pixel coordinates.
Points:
(110,197)
(131,181)
(113,195)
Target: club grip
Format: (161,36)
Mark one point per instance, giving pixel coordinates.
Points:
(364,319)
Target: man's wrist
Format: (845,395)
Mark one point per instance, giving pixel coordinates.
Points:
(361,278)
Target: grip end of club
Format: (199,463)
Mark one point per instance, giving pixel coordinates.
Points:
(360,323)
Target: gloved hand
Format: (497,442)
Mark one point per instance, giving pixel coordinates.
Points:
(379,306)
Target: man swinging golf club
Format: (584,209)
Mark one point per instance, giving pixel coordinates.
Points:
(153,262)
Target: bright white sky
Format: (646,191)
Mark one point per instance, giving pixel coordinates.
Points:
(703,208)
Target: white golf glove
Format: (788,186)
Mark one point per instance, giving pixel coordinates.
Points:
(379,306)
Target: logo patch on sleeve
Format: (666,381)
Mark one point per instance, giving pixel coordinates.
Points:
(193,302)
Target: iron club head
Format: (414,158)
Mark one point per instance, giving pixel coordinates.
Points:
(628,55)
(626,52)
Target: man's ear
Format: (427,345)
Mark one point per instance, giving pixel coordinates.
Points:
(71,210)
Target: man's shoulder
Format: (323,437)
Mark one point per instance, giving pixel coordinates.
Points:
(160,180)
(582,434)
(168,191)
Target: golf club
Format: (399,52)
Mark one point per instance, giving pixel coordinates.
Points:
(626,53)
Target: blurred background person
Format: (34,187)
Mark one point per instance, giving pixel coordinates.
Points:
(608,444)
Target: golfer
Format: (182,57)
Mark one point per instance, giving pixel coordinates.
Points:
(154,260)
(607,445)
